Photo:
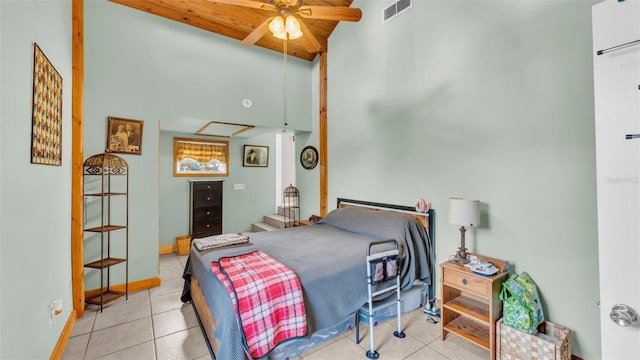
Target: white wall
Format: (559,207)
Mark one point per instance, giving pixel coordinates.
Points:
(285,165)
(35,200)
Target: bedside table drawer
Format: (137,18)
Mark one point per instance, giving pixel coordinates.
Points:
(466,282)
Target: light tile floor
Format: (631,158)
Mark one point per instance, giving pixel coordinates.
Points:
(155,325)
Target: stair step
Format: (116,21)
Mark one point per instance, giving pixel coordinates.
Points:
(278,220)
(259,227)
(282,210)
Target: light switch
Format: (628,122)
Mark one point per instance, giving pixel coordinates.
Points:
(238,186)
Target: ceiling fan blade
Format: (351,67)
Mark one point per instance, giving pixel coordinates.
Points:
(337,13)
(257,33)
(248,3)
(308,40)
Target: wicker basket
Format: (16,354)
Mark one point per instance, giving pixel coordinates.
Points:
(184,244)
(553,342)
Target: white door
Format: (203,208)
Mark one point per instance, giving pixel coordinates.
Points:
(617,112)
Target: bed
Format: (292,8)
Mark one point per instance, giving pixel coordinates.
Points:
(329,260)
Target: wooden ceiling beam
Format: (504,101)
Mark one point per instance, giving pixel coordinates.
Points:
(238,22)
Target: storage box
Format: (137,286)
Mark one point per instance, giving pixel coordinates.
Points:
(552,342)
(414,298)
(387,308)
(184,244)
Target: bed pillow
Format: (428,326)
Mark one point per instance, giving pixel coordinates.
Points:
(372,223)
(383,225)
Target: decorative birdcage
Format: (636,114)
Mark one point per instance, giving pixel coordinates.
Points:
(291,206)
(106,163)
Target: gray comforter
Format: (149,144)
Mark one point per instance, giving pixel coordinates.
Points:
(330,261)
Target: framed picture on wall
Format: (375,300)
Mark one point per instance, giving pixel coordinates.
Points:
(46,132)
(124,136)
(309,157)
(255,156)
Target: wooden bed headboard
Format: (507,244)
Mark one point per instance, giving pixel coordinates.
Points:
(426,219)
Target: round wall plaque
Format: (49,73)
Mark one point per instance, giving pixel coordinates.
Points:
(309,157)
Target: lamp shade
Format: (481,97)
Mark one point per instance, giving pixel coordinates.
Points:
(464,212)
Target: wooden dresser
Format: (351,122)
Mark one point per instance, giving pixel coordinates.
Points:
(471,304)
(205,208)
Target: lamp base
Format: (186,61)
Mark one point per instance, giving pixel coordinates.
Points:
(461,256)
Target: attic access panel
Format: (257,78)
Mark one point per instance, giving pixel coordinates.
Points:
(223,129)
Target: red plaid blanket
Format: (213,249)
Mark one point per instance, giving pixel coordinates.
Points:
(266,297)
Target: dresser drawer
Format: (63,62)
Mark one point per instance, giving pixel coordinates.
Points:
(206,227)
(207,186)
(207,212)
(206,198)
(466,281)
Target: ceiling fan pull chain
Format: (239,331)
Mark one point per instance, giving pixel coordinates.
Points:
(284,128)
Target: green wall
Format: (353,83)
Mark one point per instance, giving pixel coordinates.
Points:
(241,207)
(490,100)
(35,200)
(483,99)
(156,70)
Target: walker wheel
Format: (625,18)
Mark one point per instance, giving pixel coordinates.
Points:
(399,334)
(372,354)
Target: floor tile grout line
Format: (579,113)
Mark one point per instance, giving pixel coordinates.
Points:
(86,346)
(153,329)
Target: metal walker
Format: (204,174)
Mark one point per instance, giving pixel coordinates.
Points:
(381,268)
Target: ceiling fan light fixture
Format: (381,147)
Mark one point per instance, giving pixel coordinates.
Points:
(284,29)
(281,35)
(277,28)
(292,25)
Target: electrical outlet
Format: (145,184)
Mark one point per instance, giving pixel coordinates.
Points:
(55,308)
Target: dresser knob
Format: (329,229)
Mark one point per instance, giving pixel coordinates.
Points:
(208,212)
(464,281)
(208,198)
(207,225)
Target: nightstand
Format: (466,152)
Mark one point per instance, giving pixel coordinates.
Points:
(312,220)
(304,223)
(471,302)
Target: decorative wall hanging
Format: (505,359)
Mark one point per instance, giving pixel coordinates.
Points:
(124,136)
(255,156)
(46,133)
(309,157)
(197,157)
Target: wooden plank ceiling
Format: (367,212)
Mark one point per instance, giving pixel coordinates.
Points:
(237,22)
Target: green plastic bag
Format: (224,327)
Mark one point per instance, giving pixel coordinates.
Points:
(521,307)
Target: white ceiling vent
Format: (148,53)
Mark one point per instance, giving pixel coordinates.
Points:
(395,9)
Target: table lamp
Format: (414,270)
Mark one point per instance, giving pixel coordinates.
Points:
(463,213)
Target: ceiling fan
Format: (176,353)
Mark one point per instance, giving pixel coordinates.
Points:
(284,25)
